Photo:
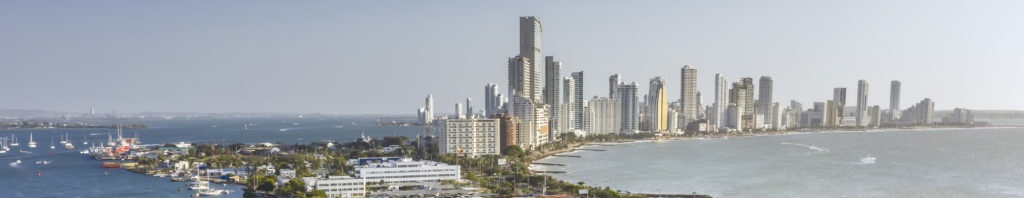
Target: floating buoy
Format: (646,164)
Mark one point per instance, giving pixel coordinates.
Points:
(39,173)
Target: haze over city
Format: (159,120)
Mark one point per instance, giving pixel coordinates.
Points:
(384,57)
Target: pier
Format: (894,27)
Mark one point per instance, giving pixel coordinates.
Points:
(596,144)
(559,155)
(550,172)
(585,149)
(547,164)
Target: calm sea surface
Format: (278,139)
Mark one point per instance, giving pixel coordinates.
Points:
(890,163)
(70,174)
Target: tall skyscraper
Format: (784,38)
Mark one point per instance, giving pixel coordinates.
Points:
(577,78)
(552,94)
(749,107)
(613,81)
(657,106)
(568,103)
(738,103)
(428,110)
(630,110)
(862,103)
(519,77)
(459,111)
(839,99)
(894,100)
(764,98)
(469,107)
(530,31)
(721,102)
(688,95)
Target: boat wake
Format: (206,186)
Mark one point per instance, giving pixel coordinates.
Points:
(812,147)
(867,160)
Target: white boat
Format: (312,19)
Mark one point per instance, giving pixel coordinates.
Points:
(51,143)
(199,186)
(85,140)
(212,192)
(31,142)
(62,140)
(15,163)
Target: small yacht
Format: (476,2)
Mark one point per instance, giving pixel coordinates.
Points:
(15,141)
(85,140)
(62,141)
(51,143)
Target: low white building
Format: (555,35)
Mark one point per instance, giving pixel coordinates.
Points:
(404,170)
(337,186)
(470,137)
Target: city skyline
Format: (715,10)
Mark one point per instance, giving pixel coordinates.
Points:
(118,65)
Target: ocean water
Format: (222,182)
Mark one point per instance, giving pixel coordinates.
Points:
(70,174)
(986,162)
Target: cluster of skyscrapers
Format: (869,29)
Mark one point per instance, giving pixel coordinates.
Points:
(542,105)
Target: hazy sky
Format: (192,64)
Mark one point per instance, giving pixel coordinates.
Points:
(385,57)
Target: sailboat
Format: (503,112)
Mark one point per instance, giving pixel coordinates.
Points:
(85,140)
(15,142)
(31,143)
(4,148)
(51,143)
(62,141)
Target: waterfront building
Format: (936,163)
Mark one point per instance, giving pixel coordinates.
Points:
(605,115)
(532,122)
(657,106)
(577,78)
(797,108)
(717,119)
(530,34)
(742,95)
(630,113)
(894,100)
(733,117)
(469,137)
(764,99)
(506,130)
(552,94)
(959,116)
(613,81)
(839,98)
(673,121)
(921,113)
(862,103)
(874,115)
(568,104)
(688,94)
(774,117)
(403,170)
(337,186)
(831,116)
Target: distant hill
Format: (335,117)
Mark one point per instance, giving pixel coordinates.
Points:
(987,114)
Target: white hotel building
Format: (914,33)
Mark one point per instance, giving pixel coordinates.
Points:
(473,136)
(337,186)
(405,170)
